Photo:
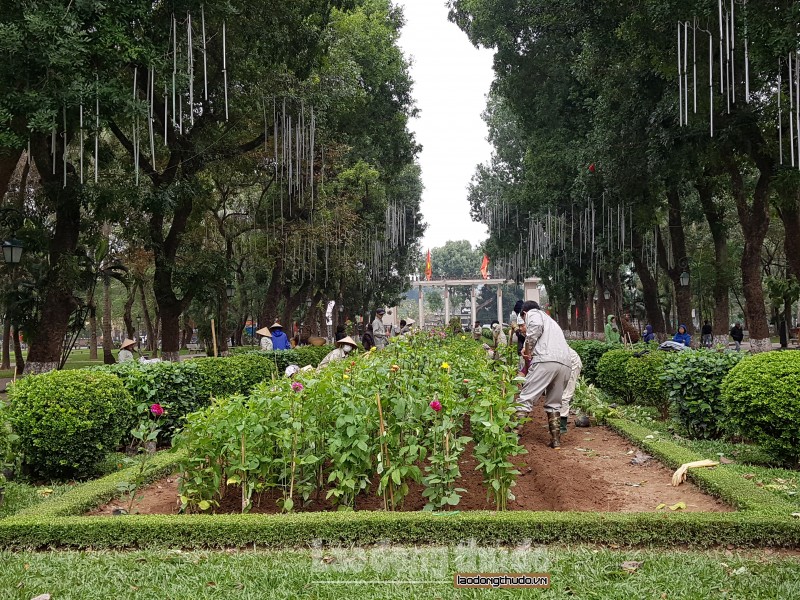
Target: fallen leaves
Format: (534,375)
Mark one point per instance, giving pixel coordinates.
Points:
(641,458)
(631,566)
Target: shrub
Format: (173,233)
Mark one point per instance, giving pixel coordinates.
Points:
(590,352)
(68,420)
(235,374)
(179,387)
(612,373)
(185,387)
(692,381)
(645,380)
(762,401)
(302,356)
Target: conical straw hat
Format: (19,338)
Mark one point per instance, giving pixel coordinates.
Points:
(264,331)
(347,340)
(126,343)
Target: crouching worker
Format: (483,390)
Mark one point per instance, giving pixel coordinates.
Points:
(550,367)
(569,392)
(344,347)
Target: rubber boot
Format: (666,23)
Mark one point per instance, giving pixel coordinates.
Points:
(563,425)
(555,434)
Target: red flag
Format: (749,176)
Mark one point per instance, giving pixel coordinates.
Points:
(485,267)
(428,267)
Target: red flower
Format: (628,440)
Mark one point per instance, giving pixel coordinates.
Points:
(436,405)
(591,168)
(157,409)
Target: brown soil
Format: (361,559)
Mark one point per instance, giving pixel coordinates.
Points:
(591,472)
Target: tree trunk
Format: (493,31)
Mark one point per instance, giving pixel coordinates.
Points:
(269,310)
(715,216)
(170,330)
(148,323)
(92,330)
(790,215)
(188,331)
(19,360)
(127,313)
(754,221)
(108,346)
(6,364)
(683,294)
(652,306)
(222,326)
(58,300)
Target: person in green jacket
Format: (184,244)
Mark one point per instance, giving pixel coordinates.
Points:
(612,331)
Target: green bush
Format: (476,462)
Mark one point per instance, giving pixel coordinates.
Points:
(645,380)
(612,373)
(590,352)
(302,356)
(692,381)
(179,387)
(68,420)
(234,374)
(761,395)
(184,387)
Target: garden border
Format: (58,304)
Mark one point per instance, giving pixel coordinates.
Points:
(763,520)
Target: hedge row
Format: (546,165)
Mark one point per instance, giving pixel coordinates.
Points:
(302,356)
(364,528)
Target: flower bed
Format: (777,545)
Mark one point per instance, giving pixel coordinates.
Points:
(393,418)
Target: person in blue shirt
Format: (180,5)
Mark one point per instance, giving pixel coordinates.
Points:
(682,337)
(649,336)
(279,339)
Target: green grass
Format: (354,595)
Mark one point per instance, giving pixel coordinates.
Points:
(366,573)
(20,496)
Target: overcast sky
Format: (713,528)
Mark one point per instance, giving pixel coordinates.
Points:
(451,80)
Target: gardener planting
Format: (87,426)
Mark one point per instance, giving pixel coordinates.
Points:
(266,339)
(343,347)
(550,367)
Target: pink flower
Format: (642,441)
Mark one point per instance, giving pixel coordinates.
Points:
(157,410)
(297,386)
(436,405)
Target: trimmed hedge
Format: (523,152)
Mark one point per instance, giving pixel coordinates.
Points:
(187,386)
(302,356)
(693,381)
(590,352)
(363,528)
(762,402)
(612,373)
(66,421)
(645,381)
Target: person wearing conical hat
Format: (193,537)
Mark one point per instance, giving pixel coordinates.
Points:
(125,353)
(266,339)
(343,347)
(279,339)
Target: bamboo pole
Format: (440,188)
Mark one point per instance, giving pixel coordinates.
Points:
(214,337)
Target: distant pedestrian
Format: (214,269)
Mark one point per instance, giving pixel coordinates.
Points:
(379,329)
(341,332)
(706,335)
(279,339)
(266,340)
(612,330)
(737,334)
(648,336)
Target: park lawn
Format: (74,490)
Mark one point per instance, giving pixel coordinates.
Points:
(23,495)
(396,573)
